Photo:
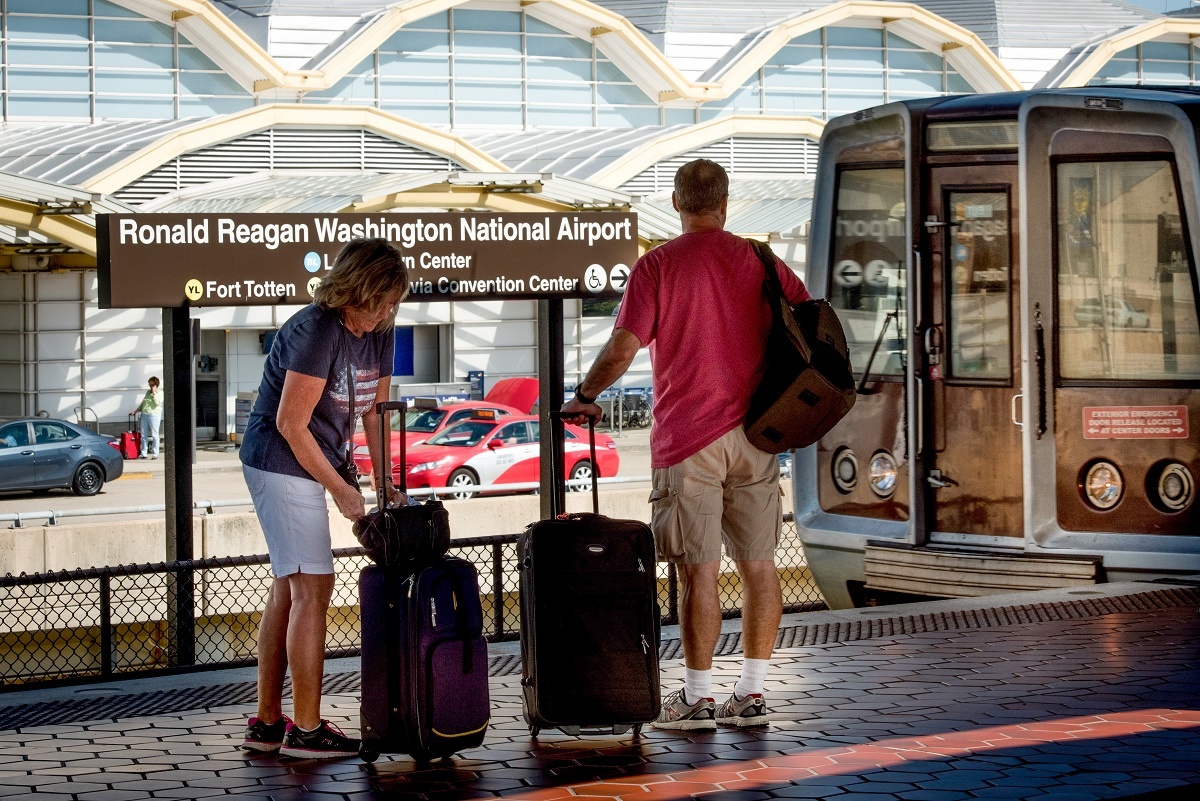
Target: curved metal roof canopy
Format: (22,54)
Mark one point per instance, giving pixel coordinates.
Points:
(39,217)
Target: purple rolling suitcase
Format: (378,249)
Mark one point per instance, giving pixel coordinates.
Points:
(424,658)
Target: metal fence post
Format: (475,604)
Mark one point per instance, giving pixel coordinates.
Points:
(106,632)
(672,595)
(498,600)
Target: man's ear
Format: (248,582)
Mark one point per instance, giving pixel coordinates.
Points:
(674,202)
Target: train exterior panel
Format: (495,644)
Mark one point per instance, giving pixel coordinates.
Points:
(1017,277)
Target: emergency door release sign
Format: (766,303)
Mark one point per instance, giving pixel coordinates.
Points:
(1135,422)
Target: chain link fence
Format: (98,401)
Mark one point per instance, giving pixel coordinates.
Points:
(139,619)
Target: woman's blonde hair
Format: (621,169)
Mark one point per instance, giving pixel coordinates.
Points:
(364,274)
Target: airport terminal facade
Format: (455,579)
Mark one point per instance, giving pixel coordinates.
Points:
(502,106)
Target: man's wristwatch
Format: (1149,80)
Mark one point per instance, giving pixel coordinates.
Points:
(579,396)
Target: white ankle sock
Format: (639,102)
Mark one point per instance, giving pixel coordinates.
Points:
(754,674)
(697,684)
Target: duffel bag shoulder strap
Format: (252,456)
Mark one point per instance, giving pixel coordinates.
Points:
(784,326)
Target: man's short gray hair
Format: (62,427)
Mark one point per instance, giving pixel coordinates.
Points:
(700,186)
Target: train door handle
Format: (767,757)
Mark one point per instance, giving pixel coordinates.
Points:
(1014,407)
(933,344)
(937,480)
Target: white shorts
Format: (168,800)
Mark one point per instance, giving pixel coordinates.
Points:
(294,517)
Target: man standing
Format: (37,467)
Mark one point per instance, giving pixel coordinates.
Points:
(698,302)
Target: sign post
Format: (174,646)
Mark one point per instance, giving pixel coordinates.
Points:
(178,261)
(179,434)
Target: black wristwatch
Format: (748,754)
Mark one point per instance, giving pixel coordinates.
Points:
(579,396)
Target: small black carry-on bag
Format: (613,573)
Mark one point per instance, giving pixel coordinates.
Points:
(397,535)
(424,658)
(589,618)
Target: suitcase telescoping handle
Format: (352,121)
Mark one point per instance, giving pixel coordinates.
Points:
(558,452)
(383,471)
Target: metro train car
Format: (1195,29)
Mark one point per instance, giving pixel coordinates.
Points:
(1016,275)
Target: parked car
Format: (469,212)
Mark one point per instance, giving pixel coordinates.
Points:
(426,417)
(40,453)
(491,449)
(1116,311)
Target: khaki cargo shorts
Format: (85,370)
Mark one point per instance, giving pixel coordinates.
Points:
(728,492)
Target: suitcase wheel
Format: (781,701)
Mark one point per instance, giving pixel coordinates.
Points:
(533,731)
(367,755)
(637,730)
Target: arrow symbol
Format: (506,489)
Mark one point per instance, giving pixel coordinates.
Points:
(619,277)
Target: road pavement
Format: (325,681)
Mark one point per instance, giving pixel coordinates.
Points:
(217,477)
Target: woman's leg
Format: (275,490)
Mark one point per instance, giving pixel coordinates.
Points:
(310,593)
(155,425)
(144,425)
(272,650)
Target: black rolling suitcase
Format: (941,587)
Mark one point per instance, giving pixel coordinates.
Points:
(589,619)
(424,658)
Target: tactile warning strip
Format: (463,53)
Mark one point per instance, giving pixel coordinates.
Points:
(121,706)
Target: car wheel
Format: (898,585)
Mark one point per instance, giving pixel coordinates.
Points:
(89,478)
(581,472)
(460,479)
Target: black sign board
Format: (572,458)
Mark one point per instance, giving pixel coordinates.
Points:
(174,260)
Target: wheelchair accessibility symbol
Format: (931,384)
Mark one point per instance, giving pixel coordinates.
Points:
(595,278)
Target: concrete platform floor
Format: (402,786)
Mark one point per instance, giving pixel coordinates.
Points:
(1064,696)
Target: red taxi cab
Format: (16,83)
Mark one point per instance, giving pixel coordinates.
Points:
(494,449)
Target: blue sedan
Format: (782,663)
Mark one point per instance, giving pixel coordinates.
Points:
(38,453)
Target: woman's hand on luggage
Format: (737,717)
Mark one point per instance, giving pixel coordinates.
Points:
(395,497)
(349,502)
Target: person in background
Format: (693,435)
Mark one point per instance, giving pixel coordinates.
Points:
(150,410)
(698,302)
(330,363)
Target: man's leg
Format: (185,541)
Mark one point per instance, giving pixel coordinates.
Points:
(306,643)
(699,613)
(752,522)
(762,607)
(272,651)
(686,518)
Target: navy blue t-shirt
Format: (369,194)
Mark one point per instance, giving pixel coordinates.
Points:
(313,342)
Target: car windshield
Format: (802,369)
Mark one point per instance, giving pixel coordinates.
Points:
(422,420)
(464,434)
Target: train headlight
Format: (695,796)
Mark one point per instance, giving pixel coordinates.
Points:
(881,474)
(845,469)
(1171,487)
(1103,485)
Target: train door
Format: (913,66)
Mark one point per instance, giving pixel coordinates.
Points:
(972,349)
(1112,289)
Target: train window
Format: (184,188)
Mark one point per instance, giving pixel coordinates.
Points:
(1126,298)
(979,305)
(867,285)
(991,135)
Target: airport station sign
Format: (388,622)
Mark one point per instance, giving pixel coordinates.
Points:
(173,260)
